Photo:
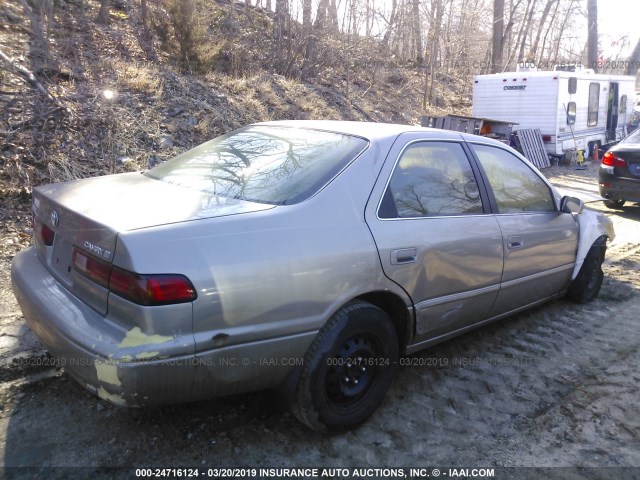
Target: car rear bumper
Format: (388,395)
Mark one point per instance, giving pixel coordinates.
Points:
(614,187)
(87,347)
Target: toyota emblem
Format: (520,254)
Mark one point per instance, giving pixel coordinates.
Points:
(55,219)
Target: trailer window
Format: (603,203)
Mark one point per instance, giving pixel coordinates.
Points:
(571,113)
(623,105)
(573,85)
(594,100)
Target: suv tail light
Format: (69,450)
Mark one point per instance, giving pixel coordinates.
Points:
(147,290)
(611,160)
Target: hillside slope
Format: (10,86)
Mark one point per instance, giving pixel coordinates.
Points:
(107,98)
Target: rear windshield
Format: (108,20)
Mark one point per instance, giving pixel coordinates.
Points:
(265,164)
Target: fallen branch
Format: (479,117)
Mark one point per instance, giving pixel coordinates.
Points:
(26,75)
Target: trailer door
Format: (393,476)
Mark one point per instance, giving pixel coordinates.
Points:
(612,111)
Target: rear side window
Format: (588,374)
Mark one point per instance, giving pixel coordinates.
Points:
(431,179)
(516,187)
(265,164)
(594,100)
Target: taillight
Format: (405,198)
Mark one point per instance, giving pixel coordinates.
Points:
(161,289)
(611,160)
(42,232)
(91,267)
(151,289)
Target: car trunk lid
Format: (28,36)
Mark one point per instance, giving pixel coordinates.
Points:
(88,214)
(630,153)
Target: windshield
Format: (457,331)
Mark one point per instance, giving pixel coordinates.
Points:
(634,137)
(266,164)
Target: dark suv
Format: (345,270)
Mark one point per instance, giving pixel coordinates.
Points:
(619,176)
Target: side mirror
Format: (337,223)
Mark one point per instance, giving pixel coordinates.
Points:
(571,205)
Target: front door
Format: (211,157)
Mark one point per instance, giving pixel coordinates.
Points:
(540,242)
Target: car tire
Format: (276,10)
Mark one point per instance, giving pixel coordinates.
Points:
(614,204)
(347,369)
(586,285)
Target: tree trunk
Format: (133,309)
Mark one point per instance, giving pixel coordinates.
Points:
(103,13)
(519,39)
(508,31)
(282,12)
(546,33)
(498,36)
(306,37)
(525,34)
(437,11)
(543,20)
(390,26)
(592,34)
(567,16)
(417,32)
(332,17)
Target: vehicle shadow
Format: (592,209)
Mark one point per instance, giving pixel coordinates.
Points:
(629,211)
(472,400)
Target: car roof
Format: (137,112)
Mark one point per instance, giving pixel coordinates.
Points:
(373,130)
(370,130)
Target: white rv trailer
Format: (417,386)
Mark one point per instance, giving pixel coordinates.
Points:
(573,110)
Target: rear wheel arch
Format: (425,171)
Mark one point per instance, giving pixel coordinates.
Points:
(397,310)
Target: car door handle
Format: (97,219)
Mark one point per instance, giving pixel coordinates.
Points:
(514,243)
(403,255)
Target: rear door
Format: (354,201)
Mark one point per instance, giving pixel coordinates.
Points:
(539,242)
(436,238)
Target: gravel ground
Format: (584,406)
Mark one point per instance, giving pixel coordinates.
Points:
(557,386)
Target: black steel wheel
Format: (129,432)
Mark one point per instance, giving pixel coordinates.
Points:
(348,369)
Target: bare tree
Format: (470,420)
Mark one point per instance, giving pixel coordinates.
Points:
(546,33)
(332,17)
(437,12)
(282,12)
(568,14)
(417,32)
(543,20)
(525,33)
(390,26)
(592,34)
